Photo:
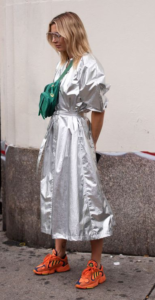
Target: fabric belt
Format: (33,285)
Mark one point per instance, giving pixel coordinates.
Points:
(69,113)
(74,113)
(59,112)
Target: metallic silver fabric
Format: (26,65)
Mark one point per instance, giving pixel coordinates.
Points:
(73,204)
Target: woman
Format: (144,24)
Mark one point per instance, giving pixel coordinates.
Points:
(73,205)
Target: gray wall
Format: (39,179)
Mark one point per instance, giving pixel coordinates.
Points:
(128,182)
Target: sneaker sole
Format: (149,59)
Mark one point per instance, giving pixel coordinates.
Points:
(91,286)
(48,272)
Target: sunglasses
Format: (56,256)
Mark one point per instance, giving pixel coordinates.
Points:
(52,35)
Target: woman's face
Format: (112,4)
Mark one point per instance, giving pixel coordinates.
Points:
(58,42)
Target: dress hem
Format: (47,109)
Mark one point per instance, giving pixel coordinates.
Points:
(78,238)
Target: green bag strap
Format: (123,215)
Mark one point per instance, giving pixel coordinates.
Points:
(66,70)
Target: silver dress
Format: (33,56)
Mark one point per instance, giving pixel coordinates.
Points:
(73,204)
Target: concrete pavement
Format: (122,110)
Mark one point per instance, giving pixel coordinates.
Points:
(128,277)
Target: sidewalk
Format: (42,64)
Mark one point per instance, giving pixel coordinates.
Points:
(130,278)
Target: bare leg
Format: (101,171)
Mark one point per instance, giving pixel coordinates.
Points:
(96,247)
(60,246)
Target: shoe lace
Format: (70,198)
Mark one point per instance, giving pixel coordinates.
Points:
(48,257)
(88,270)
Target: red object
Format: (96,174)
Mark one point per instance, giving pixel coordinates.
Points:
(2,152)
(150,153)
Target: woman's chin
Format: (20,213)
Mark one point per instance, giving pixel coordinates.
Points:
(59,48)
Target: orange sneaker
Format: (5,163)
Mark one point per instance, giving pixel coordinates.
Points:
(51,264)
(91,276)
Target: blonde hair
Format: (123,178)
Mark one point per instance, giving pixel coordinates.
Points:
(70,26)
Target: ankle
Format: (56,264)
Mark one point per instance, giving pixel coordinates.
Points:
(98,263)
(61,254)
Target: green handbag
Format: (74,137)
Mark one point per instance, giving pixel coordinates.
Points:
(50,96)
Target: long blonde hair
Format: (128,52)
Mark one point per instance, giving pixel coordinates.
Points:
(70,26)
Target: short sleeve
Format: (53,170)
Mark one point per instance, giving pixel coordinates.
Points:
(92,86)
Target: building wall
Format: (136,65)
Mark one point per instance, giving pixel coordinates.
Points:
(121,35)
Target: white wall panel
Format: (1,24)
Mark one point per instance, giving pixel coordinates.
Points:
(121,35)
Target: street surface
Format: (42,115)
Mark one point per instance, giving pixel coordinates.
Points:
(128,277)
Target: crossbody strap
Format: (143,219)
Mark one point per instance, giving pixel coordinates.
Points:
(66,70)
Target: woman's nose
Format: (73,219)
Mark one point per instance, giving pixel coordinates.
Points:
(54,38)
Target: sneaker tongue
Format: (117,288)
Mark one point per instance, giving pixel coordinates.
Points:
(92,263)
